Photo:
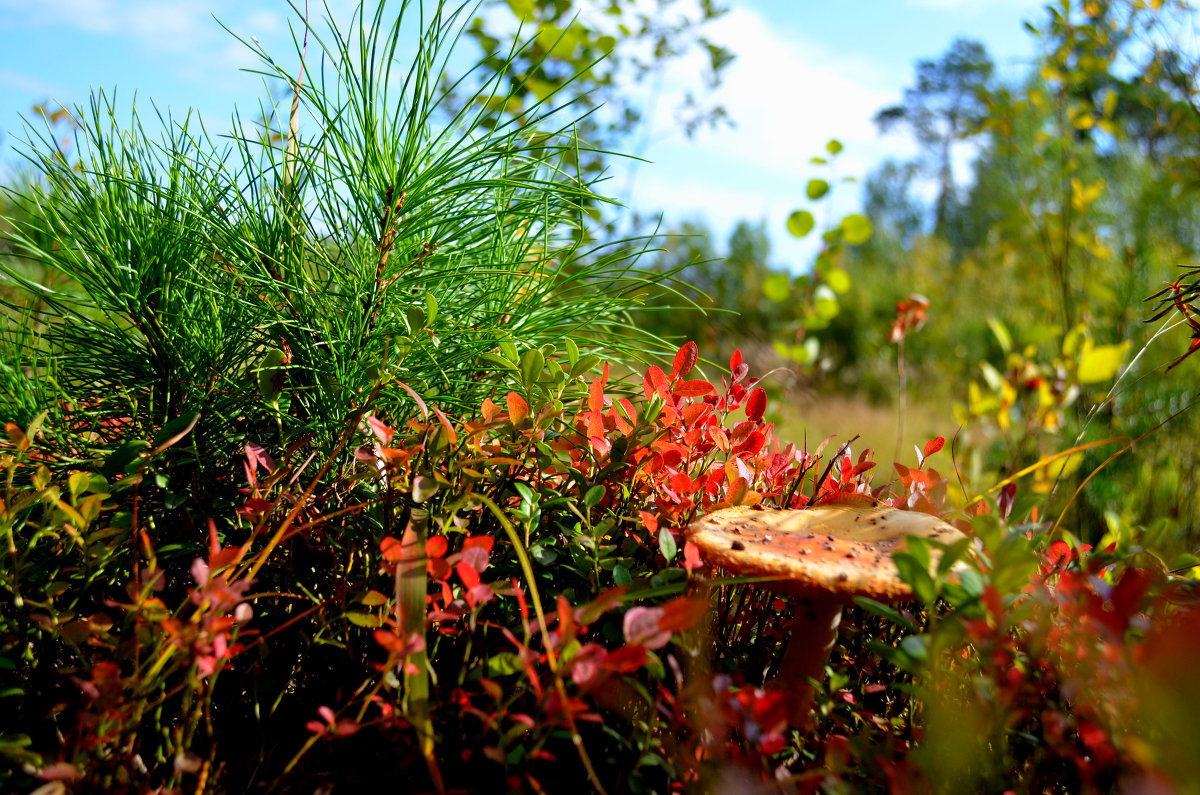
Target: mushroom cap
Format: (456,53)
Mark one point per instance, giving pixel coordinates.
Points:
(834,550)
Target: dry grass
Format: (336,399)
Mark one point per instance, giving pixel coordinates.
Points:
(818,416)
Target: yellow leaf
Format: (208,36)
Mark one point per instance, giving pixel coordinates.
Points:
(1101,362)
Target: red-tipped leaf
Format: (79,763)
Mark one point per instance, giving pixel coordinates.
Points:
(518,409)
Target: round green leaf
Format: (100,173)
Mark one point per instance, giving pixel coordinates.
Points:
(777,287)
(816,188)
(834,146)
(800,223)
(856,229)
(825,303)
(839,281)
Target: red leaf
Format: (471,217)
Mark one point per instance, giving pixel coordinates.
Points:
(695,412)
(735,360)
(490,410)
(654,381)
(417,398)
(741,432)
(566,620)
(467,573)
(451,436)
(483,542)
(630,411)
(391,549)
(685,360)
(382,432)
(626,659)
(692,388)
(518,409)
(436,546)
(933,445)
(681,483)
(682,613)
(596,395)
(691,556)
(753,444)
(258,457)
(606,601)
(756,404)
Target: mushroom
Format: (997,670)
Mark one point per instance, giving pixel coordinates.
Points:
(825,556)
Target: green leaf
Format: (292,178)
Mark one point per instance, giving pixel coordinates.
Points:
(666,544)
(916,575)
(857,229)
(839,281)
(123,456)
(268,368)
(777,287)
(594,495)
(1101,362)
(833,146)
(543,554)
(825,303)
(816,188)
(914,646)
(885,611)
(373,599)
(498,360)
(800,223)
(504,663)
(621,575)
(431,308)
(415,317)
(175,430)
(585,364)
(952,555)
(509,351)
(364,620)
(532,364)
(1000,332)
(423,487)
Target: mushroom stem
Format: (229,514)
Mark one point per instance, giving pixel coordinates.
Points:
(814,631)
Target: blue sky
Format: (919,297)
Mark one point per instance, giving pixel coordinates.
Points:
(807,71)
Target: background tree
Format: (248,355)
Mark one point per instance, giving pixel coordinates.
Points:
(594,52)
(945,104)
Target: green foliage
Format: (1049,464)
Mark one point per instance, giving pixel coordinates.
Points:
(589,52)
(269,284)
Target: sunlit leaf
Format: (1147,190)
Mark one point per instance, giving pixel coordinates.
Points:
(1101,362)
(800,223)
(777,287)
(856,229)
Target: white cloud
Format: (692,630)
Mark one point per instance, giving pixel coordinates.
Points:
(788,96)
